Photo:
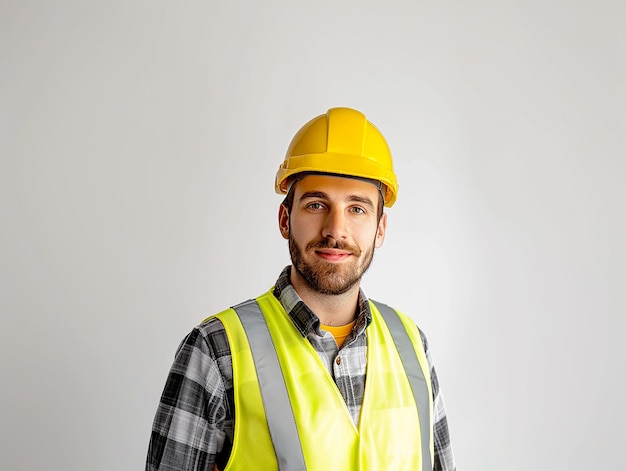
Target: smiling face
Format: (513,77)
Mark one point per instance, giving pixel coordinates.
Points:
(333,229)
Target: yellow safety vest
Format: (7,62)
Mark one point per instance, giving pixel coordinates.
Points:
(290,415)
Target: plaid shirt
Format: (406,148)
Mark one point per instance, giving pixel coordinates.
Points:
(193,426)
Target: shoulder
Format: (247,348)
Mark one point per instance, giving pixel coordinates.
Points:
(204,355)
(406,319)
(205,345)
(210,335)
(207,338)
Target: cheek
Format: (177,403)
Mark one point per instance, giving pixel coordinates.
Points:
(305,226)
(366,238)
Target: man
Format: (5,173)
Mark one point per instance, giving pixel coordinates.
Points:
(311,375)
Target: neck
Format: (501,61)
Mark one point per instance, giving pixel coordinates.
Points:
(332,309)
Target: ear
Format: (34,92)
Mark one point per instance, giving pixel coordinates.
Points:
(380,231)
(283,221)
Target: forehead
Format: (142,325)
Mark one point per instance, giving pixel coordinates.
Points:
(335,187)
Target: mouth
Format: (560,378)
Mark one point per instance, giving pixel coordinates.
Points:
(333,255)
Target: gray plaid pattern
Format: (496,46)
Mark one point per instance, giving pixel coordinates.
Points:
(193,426)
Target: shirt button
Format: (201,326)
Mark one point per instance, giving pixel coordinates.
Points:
(338,360)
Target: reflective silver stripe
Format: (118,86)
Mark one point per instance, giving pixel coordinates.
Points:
(278,411)
(415,374)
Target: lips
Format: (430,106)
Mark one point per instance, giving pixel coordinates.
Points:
(333,255)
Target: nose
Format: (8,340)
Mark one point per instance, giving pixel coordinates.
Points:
(335,225)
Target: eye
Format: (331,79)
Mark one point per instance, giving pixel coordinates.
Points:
(357,210)
(315,206)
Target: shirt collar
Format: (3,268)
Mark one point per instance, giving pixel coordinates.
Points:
(305,320)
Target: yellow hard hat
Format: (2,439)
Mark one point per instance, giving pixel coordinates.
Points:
(340,142)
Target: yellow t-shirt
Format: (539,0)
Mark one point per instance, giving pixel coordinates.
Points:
(340,332)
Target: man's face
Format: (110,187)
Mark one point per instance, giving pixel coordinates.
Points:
(333,229)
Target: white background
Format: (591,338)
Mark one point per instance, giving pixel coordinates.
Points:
(139,142)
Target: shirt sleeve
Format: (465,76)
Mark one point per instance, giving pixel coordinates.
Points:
(444,456)
(188,428)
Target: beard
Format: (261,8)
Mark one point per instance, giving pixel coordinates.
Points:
(325,277)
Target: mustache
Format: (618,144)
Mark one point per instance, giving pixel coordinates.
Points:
(333,244)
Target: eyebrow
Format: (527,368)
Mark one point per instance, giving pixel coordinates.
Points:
(362,199)
(314,194)
(353,198)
